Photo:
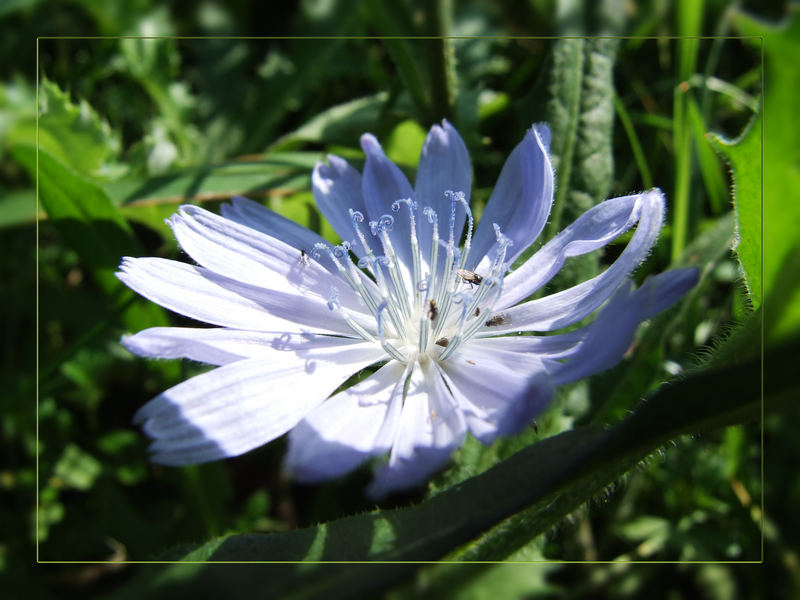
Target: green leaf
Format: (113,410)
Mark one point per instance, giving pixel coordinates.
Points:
(709,162)
(91,225)
(405,142)
(426,66)
(340,124)
(781,206)
(83,215)
(580,113)
(76,468)
(17,112)
(393,21)
(17,207)
(150,201)
(74,133)
(689,21)
(744,156)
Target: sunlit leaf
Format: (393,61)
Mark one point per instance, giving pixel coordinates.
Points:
(781,207)
(744,156)
(77,469)
(91,225)
(74,133)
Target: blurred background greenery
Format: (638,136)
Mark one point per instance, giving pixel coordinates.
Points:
(135,127)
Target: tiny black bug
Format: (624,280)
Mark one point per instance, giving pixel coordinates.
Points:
(497,320)
(469,276)
(433,310)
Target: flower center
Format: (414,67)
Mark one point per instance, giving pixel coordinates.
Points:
(424,301)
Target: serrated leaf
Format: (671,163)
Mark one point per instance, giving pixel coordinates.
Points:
(781,250)
(744,157)
(74,133)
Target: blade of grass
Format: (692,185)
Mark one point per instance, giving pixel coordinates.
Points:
(633,140)
(689,23)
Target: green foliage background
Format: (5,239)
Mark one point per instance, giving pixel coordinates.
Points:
(130,128)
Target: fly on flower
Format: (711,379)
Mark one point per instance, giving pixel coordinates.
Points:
(416,291)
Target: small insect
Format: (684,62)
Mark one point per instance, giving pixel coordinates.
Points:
(433,310)
(469,276)
(443,341)
(478,311)
(535,427)
(303,258)
(497,320)
(469,362)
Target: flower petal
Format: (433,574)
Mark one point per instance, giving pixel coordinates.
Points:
(592,230)
(251,214)
(550,346)
(209,297)
(430,429)
(443,165)
(337,188)
(220,346)
(492,410)
(611,334)
(383,184)
(240,253)
(245,404)
(348,428)
(520,202)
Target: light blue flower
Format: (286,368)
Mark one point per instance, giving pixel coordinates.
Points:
(429,308)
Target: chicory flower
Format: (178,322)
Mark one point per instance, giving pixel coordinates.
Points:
(416,292)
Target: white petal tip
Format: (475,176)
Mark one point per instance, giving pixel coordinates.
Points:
(370,144)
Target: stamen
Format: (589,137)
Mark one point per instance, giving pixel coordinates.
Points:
(447,286)
(462,199)
(461,299)
(391,350)
(335,305)
(415,256)
(357,217)
(452,224)
(353,277)
(492,283)
(433,219)
(421,311)
(381,229)
(375,263)
(503,243)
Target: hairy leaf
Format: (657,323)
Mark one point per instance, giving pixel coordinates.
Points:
(781,206)
(580,113)
(744,156)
